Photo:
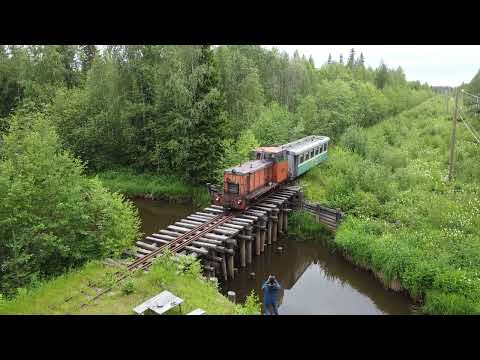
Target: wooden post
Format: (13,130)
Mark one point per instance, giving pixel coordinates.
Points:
(231,296)
(230,267)
(280,221)
(224,267)
(242,253)
(257,240)
(274,228)
(249,247)
(270,223)
(453,139)
(263,233)
(213,253)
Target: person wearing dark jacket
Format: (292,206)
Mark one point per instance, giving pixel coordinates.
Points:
(270,290)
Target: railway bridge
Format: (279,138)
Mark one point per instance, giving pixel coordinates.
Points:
(225,241)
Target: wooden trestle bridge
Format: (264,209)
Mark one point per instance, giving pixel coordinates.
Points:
(224,241)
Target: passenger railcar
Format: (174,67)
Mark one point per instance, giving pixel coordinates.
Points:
(269,167)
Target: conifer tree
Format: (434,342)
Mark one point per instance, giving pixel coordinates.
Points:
(203,145)
(361,60)
(351,59)
(329,61)
(381,76)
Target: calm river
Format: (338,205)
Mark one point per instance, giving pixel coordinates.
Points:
(314,280)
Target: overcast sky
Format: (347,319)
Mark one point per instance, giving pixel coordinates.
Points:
(439,65)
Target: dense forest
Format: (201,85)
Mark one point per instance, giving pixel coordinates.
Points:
(68,112)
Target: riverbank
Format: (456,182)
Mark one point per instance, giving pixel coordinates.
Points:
(404,222)
(65,294)
(153,186)
(304,226)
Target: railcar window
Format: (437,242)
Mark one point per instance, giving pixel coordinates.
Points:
(307,156)
(316,151)
(312,154)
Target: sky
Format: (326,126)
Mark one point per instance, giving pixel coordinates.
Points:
(438,65)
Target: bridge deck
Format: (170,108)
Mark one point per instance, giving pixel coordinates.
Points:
(223,241)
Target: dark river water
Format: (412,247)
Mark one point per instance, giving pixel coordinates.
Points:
(314,280)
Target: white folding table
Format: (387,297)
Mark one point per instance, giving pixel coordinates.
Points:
(160,303)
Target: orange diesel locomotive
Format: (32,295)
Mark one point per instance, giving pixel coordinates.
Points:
(271,166)
(245,183)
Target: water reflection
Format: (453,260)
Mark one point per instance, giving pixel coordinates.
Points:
(316,281)
(157,214)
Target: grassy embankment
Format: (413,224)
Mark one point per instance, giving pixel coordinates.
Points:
(162,187)
(404,222)
(65,294)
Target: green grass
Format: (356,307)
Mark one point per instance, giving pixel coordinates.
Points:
(166,274)
(403,219)
(304,226)
(164,187)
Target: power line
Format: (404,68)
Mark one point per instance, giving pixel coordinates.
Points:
(473,131)
(475,96)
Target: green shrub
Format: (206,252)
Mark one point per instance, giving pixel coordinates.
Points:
(128,288)
(355,140)
(51,216)
(252,305)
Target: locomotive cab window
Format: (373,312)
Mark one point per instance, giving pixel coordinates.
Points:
(232,188)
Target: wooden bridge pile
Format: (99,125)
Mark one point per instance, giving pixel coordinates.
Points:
(234,243)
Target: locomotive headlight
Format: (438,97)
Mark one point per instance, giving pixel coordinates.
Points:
(217,198)
(239,202)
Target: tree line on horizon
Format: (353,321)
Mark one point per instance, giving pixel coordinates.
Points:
(190,109)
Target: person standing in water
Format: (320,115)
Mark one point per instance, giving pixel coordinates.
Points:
(270,290)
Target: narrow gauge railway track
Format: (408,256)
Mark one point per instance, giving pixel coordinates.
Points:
(259,208)
(174,246)
(181,242)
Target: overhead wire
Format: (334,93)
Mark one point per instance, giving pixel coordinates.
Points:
(471,129)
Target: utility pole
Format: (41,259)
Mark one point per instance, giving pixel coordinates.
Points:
(453,140)
(446,99)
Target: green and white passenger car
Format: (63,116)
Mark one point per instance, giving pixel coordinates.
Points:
(305,153)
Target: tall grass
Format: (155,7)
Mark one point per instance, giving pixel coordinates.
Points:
(404,220)
(65,294)
(163,187)
(304,226)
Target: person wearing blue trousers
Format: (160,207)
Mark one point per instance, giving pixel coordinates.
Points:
(270,290)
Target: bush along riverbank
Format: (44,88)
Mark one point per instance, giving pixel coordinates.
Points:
(405,222)
(153,186)
(181,276)
(304,227)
